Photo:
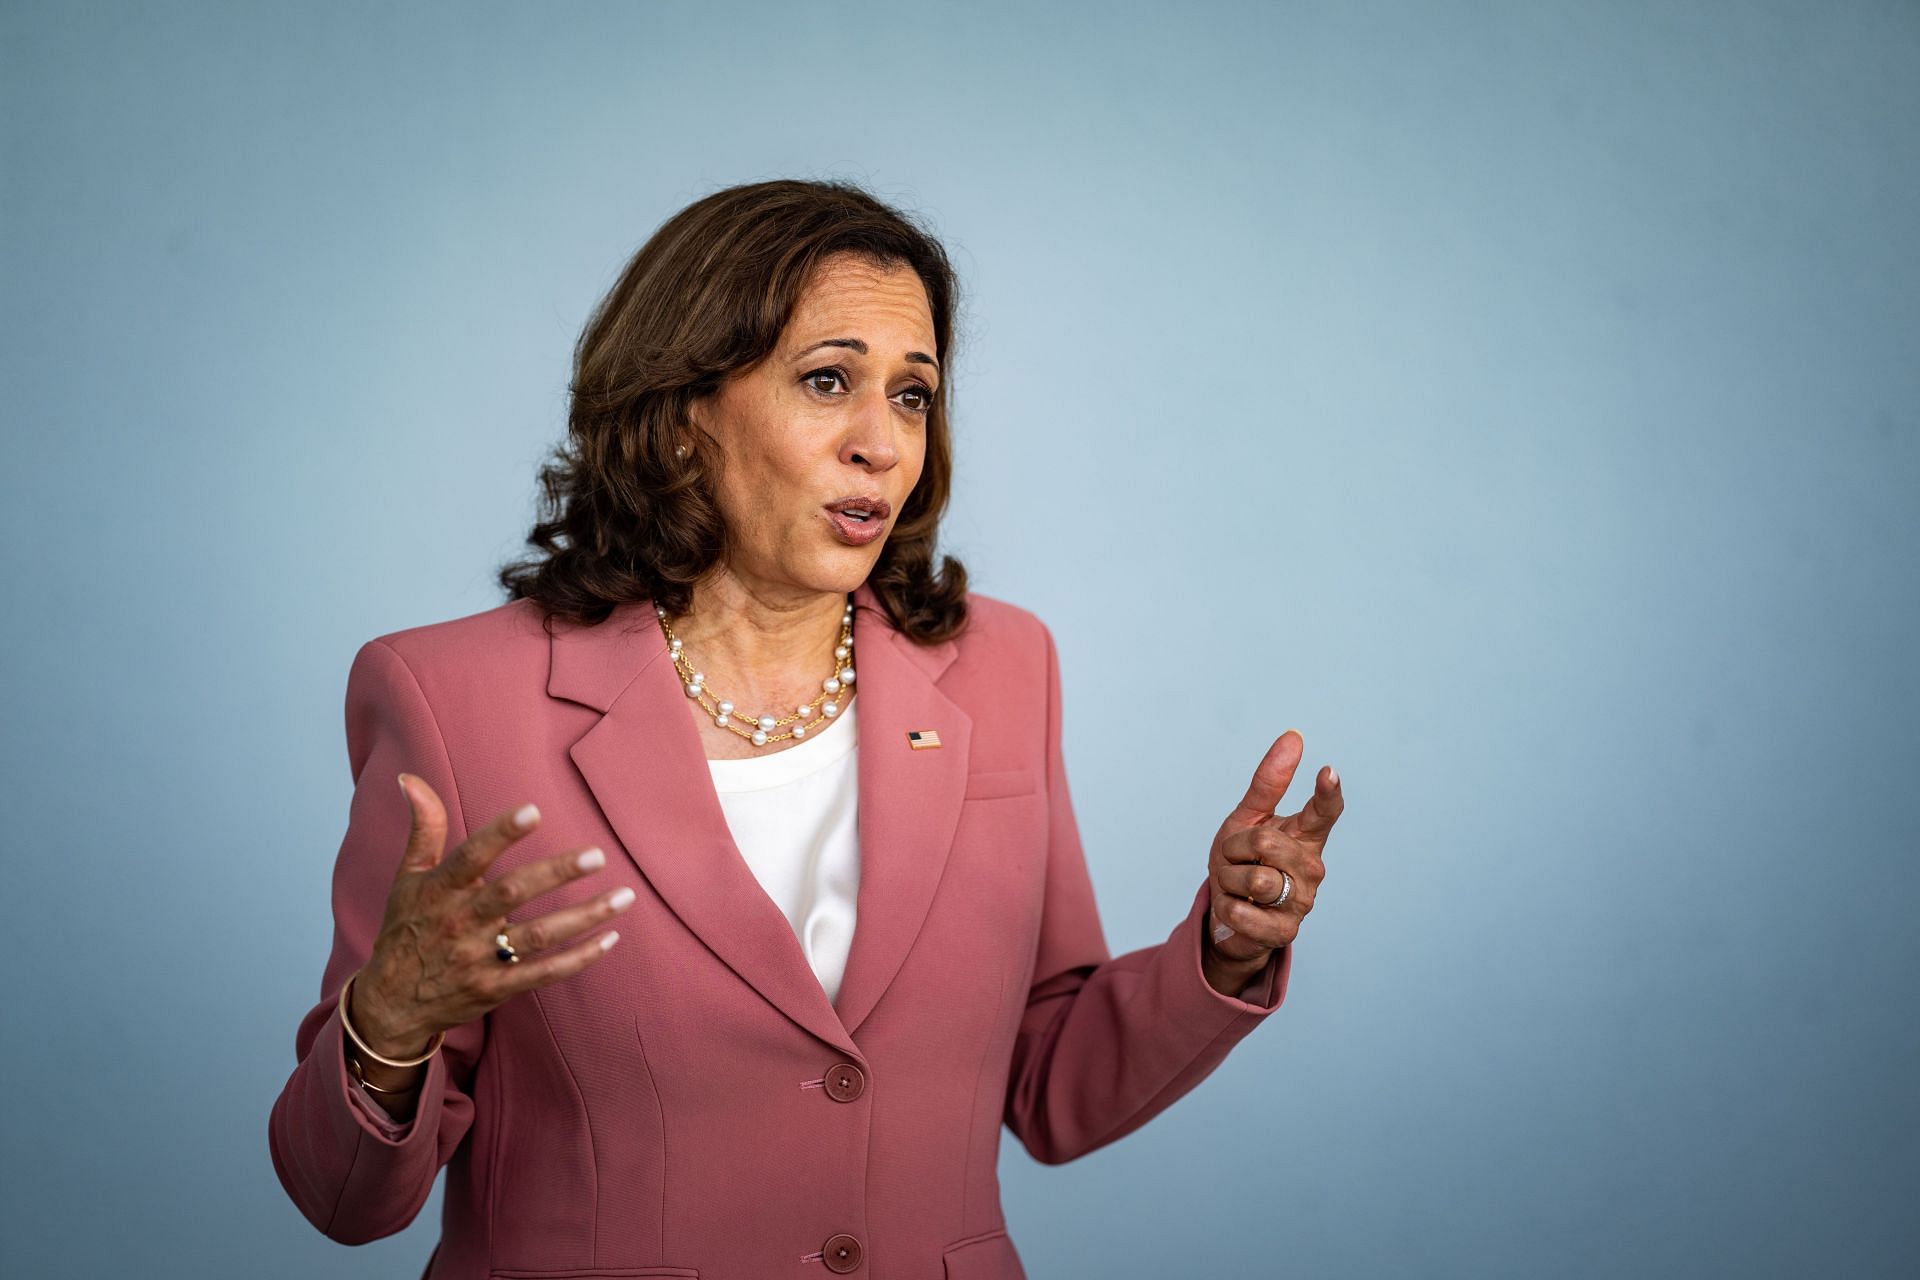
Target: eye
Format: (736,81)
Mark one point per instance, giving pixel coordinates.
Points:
(839,375)
(831,372)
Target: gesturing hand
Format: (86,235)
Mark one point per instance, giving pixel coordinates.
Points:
(1255,844)
(434,964)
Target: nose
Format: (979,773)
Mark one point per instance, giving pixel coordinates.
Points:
(869,439)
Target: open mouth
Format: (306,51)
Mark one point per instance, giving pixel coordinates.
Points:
(861,510)
(858,519)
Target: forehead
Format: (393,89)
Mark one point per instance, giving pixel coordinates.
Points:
(864,300)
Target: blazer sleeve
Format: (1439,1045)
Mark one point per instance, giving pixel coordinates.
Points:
(1109,1042)
(355,1177)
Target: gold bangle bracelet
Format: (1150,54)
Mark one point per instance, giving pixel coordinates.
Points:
(359,1074)
(433,1046)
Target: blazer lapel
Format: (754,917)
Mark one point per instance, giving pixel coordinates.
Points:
(909,798)
(645,764)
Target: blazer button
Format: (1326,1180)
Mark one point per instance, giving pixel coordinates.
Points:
(841,1253)
(845,1082)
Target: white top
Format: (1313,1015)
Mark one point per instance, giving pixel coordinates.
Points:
(794,815)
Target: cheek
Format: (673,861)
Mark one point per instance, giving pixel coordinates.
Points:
(763,465)
(776,493)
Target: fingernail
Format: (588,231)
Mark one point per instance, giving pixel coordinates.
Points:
(403,787)
(621,897)
(525,816)
(1221,933)
(1333,775)
(591,860)
(608,938)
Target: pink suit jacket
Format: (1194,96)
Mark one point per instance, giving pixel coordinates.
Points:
(692,1105)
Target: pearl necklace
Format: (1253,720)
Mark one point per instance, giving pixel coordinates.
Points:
(762,728)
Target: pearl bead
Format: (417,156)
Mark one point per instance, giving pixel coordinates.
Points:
(830,685)
(766,722)
(829,708)
(759,737)
(674,644)
(721,720)
(693,691)
(799,731)
(803,711)
(840,652)
(698,678)
(846,675)
(726,708)
(658,612)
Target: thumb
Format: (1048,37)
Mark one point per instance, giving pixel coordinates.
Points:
(427,839)
(1271,779)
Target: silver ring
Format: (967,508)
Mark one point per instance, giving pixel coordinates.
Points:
(503,949)
(1286,891)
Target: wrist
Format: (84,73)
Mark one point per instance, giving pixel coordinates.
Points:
(390,1084)
(1234,982)
(1231,967)
(384,1036)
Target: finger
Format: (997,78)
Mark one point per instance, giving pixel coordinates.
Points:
(1268,927)
(552,966)
(503,893)
(1270,781)
(1268,843)
(559,926)
(1221,932)
(427,838)
(1315,820)
(1258,884)
(471,858)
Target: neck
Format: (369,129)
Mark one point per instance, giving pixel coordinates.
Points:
(758,644)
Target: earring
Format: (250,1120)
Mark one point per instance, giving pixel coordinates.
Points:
(680,451)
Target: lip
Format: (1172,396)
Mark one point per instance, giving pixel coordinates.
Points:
(858,533)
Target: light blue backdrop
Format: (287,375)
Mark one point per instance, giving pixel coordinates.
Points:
(1519,399)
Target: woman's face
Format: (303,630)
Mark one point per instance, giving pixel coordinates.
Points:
(835,417)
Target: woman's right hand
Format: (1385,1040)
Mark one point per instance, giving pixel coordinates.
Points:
(433,966)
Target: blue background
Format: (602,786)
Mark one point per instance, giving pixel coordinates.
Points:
(1518,399)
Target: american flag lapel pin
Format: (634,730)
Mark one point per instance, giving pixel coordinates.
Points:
(920,739)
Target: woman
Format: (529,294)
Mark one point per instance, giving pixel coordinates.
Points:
(819,787)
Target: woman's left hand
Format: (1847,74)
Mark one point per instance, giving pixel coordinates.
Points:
(1255,844)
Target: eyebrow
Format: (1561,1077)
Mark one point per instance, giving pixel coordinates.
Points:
(913,357)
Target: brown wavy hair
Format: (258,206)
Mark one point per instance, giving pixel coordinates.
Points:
(622,518)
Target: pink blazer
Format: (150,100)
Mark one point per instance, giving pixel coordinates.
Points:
(692,1105)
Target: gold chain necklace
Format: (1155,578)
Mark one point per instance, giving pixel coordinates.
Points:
(760,730)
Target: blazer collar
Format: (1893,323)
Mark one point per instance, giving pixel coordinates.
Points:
(645,764)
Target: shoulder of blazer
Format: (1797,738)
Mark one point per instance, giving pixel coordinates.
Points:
(498,648)
(998,634)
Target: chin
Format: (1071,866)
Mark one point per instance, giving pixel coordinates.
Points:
(851,574)
(839,573)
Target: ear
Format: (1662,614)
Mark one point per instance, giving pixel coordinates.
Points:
(695,428)
(687,434)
